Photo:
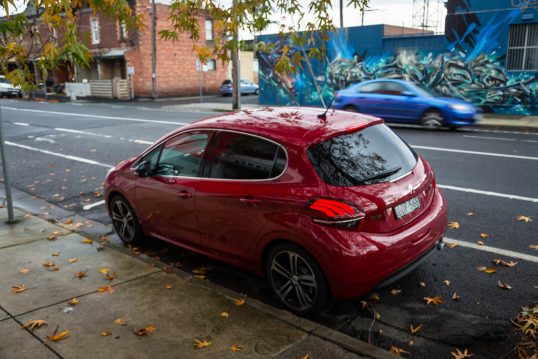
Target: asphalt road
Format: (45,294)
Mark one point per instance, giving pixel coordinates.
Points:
(61,153)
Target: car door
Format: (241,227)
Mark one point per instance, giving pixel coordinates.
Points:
(370,99)
(398,106)
(234,202)
(167,197)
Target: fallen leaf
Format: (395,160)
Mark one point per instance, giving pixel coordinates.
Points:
(504,285)
(87,241)
(239,301)
(106,333)
(484,235)
(306,356)
(55,336)
(453,225)
(451,245)
(433,300)
(72,260)
(480,243)
(73,301)
(504,263)
(422,284)
(48,264)
(18,288)
(69,221)
(200,344)
(236,348)
(81,274)
(415,330)
(24,271)
(522,218)
(121,321)
(111,275)
(33,324)
(395,291)
(469,214)
(55,254)
(447,282)
(455,296)
(486,270)
(103,270)
(534,246)
(224,315)
(458,354)
(397,351)
(146,330)
(105,289)
(374,297)
(168,286)
(199,276)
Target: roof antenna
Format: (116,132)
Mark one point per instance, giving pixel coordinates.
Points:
(323,116)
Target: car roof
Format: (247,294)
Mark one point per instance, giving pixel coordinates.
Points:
(385,80)
(289,125)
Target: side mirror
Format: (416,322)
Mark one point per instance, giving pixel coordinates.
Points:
(408,94)
(143,169)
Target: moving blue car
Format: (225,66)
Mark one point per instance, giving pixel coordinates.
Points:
(404,102)
(247,87)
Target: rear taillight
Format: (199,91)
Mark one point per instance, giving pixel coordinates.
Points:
(334,212)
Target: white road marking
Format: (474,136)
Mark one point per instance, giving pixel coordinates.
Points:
(92,205)
(142,142)
(81,132)
(495,250)
(499,139)
(489,193)
(21,124)
(96,116)
(44,139)
(501,131)
(475,152)
(69,157)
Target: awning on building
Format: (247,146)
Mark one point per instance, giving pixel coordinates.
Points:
(115,53)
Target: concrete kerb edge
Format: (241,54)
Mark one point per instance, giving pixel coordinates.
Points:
(349,343)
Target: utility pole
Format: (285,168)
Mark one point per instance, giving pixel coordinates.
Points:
(153,51)
(236,76)
(5,170)
(341,13)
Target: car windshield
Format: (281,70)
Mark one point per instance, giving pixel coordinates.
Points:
(372,155)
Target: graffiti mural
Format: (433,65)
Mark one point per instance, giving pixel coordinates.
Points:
(471,68)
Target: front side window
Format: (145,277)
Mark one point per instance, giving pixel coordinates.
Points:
(96,37)
(208,30)
(152,158)
(182,155)
(244,157)
(372,155)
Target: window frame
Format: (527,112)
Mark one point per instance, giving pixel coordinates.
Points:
(207,20)
(214,62)
(525,48)
(95,30)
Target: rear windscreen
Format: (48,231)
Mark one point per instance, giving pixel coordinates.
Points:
(372,155)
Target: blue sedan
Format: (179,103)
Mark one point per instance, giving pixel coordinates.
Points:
(404,102)
(247,87)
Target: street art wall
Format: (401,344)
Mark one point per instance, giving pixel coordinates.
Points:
(471,65)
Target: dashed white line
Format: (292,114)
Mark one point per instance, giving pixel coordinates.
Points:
(101,117)
(142,142)
(475,152)
(489,193)
(21,124)
(81,132)
(92,205)
(499,139)
(69,157)
(495,250)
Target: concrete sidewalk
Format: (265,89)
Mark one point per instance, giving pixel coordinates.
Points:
(48,264)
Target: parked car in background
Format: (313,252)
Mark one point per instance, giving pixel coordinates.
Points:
(247,87)
(7,88)
(405,102)
(322,206)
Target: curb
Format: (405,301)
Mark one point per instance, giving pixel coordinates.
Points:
(348,343)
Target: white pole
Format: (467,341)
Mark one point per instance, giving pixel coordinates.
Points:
(5,170)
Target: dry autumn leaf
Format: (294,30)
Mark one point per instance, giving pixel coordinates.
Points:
(455,296)
(87,241)
(395,291)
(200,344)
(74,301)
(120,321)
(486,270)
(18,288)
(433,300)
(422,284)
(224,315)
(68,221)
(55,336)
(504,263)
(374,297)
(453,225)
(81,274)
(239,301)
(55,254)
(484,235)
(504,286)
(105,333)
(397,351)
(458,354)
(146,330)
(451,245)
(105,289)
(469,214)
(306,356)
(111,275)
(103,270)
(33,324)
(415,330)
(236,348)
(480,243)
(72,260)
(200,276)
(534,246)
(447,282)
(49,264)
(24,271)
(168,286)
(522,218)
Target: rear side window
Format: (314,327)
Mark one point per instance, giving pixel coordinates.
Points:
(373,155)
(243,157)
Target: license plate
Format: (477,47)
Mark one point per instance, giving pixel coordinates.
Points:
(406,208)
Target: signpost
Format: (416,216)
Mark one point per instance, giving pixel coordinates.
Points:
(5,171)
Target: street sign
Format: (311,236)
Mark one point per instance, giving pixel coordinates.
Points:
(130,70)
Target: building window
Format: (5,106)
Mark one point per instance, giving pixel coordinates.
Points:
(208,30)
(122,30)
(96,38)
(211,65)
(523,47)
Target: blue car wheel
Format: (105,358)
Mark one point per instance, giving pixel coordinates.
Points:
(432,120)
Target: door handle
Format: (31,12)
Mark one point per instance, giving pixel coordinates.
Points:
(250,200)
(184,195)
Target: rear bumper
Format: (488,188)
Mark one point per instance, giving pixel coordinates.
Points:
(381,259)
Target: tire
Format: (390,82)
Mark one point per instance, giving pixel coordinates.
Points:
(125,221)
(256,92)
(432,120)
(350,108)
(302,289)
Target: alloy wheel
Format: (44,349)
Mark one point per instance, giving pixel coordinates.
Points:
(123,221)
(432,120)
(294,281)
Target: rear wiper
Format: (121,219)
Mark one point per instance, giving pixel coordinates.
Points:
(380,175)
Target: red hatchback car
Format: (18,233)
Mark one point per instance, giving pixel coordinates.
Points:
(322,206)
